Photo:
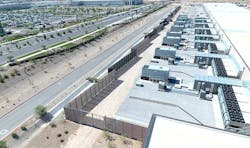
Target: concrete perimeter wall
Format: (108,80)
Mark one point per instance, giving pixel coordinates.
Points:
(74,110)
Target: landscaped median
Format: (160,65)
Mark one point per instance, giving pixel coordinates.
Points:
(18,37)
(67,45)
(61,47)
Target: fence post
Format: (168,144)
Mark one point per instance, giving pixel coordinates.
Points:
(92,118)
(115,126)
(142,134)
(105,127)
(81,99)
(76,103)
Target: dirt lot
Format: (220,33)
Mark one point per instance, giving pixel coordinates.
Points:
(56,134)
(110,140)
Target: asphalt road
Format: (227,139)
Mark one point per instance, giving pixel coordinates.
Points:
(76,30)
(16,117)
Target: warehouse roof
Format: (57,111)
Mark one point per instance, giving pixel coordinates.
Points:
(169,132)
(243,101)
(231,67)
(234,22)
(183,104)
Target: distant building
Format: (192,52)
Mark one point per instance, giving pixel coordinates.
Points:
(106,2)
(15,6)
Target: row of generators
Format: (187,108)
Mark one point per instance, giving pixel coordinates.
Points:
(155,71)
(173,37)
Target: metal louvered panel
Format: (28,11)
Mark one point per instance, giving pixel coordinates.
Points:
(221,71)
(232,105)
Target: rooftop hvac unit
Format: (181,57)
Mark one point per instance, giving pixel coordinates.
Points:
(202,94)
(139,84)
(162,86)
(171,61)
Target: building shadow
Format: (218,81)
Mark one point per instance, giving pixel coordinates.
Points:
(101,96)
(47,118)
(127,66)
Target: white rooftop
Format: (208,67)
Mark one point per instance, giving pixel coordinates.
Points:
(242,95)
(179,103)
(173,37)
(180,32)
(172,133)
(158,67)
(231,67)
(235,22)
(167,48)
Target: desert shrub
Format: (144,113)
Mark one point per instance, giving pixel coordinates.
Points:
(24,128)
(15,136)
(41,111)
(59,135)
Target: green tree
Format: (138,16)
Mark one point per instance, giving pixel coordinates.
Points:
(3,144)
(44,47)
(41,111)
(1,79)
(15,136)
(10,58)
